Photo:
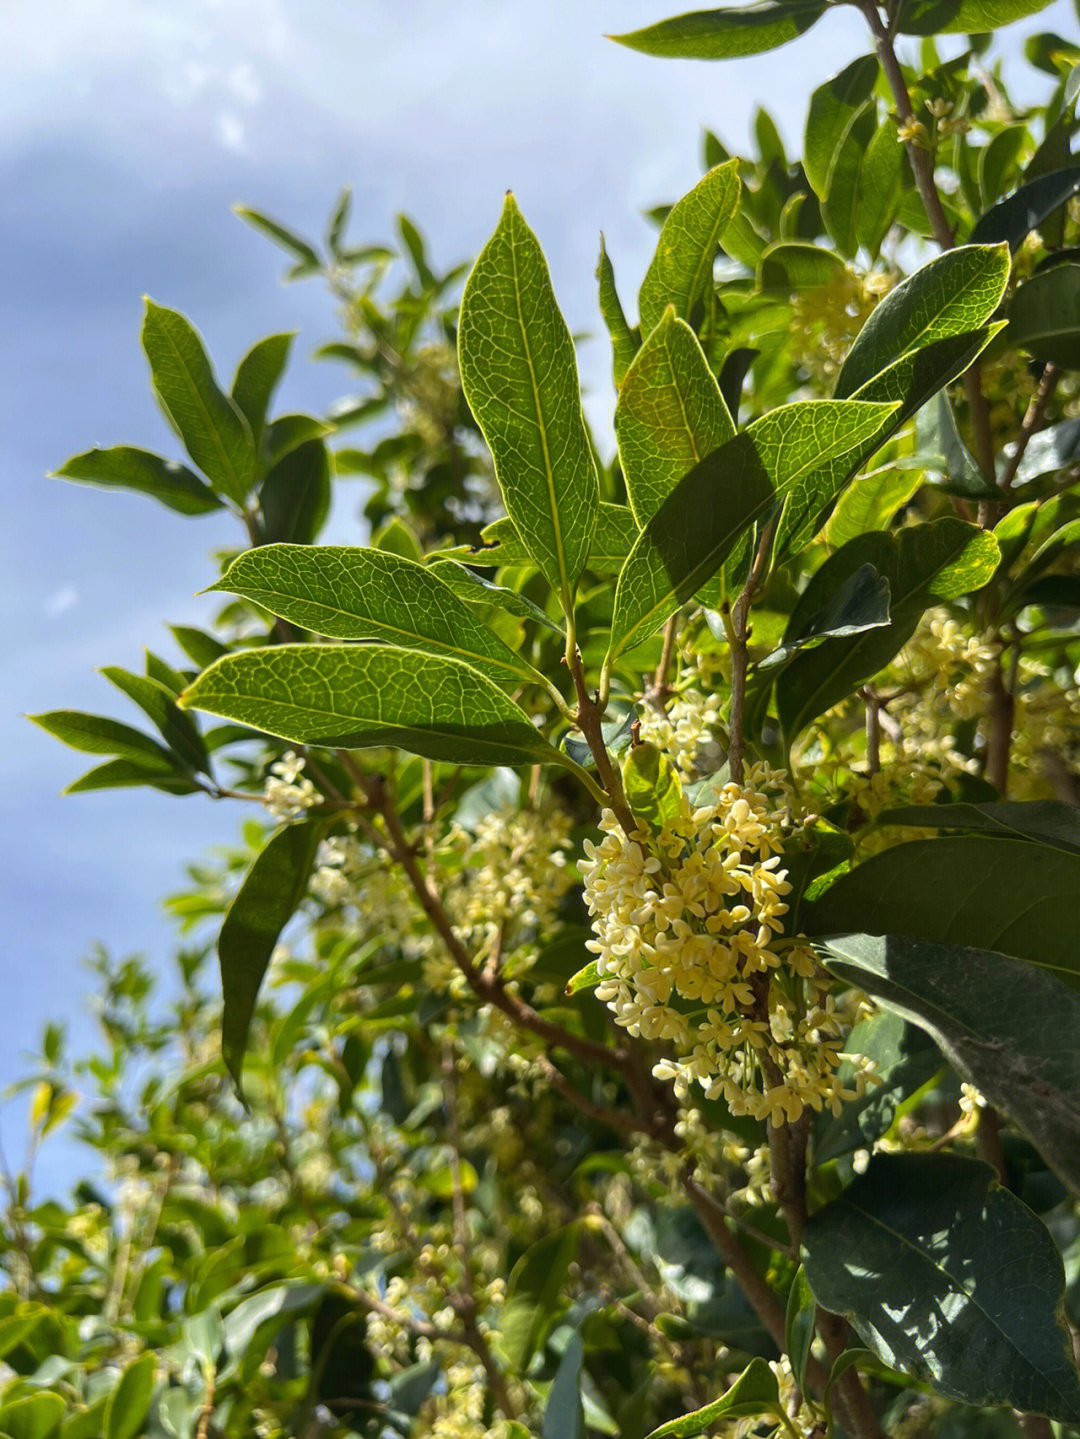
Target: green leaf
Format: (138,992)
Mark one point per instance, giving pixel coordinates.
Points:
(789,266)
(841,208)
(533,1294)
(881,180)
(948,1277)
(989,895)
(869,503)
(177,729)
(287,239)
(999,160)
(940,448)
(921,563)
(799,1328)
(362,594)
(263,905)
(988,1014)
(584,979)
(288,433)
(564,1416)
(475,590)
(202,649)
(904,1060)
(214,431)
(624,341)
(398,538)
(799,454)
(652,785)
(616,531)
(833,107)
(156,773)
(828,609)
(97,734)
(953,295)
(359,696)
(726,34)
(915,377)
(1044,316)
(520,378)
(1011,220)
(37,1416)
(295,496)
(257,377)
(129,1402)
(1046,821)
(126,468)
(754,1392)
(955,17)
(670,414)
(1050,451)
(682,266)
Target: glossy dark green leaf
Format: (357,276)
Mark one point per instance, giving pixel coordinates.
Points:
(834,610)
(257,377)
(733,373)
(564,1414)
(1011,220)
(833,107)
(176,728)
(955,17)
(126,468)
(1045,821)
(726,34)
(686,251)
(201,649)
(214,431)
(1005,895)
(921,563)
(1044,316)
(362,594)
(670,414)
(360,696)
(953,295)
(97,734)
(904,1060)
(998,160)
(1050,451)
(799,1325)
(840,210)
(294,499)
(948,1277)
(941,449)
(789,266)
(881,179)
(131,772)
(624,341)
(265,902)
(798,455)
(288,432)
(475,590)
(129,1403)
(918,375)
(533,1294)
(987,1013)
(754,1392)
(520,378)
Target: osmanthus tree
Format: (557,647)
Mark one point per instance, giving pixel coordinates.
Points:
(655,1010)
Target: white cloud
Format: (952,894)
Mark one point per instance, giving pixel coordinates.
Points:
(63,600)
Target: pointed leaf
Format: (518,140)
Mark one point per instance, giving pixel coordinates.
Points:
(947,1276)
(1051,450)
(616,531)
(177,729)
(840,210)
(917,376)
(362,594)
(295,496)
(35,1416)
(881,181)
(533,1293)
(359,696)
(869,503)
(670,415)
(257,377)
(941,448)
(97,734)
(833,107)
(798,454)
(288,432)
(287,239)
(987,1013)
(214,431)
(726,34)
(955,17)
(954,294)
(520,378)
(790,266)
(130,772)
(1046,821)
(1044,316)
(624,342)
(126,468)
(564,1416)
(263,905)
(682,266)
(831,610)
(1013,218)
(990,892)
(474,589)
(754,1392)
(129,1402)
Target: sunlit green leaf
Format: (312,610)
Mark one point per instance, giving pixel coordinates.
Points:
(624,341)
(686,250)
(726,34)
(126,468)
(833,107)
(258,376)
(754,1392)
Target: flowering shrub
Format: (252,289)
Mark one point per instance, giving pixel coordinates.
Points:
(648,991)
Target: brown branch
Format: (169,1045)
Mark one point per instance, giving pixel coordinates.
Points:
(1030,423)
(590,721)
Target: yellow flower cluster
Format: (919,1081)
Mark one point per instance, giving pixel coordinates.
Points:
(826,319)
(688,929)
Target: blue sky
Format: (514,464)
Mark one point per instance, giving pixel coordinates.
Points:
(126,132)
